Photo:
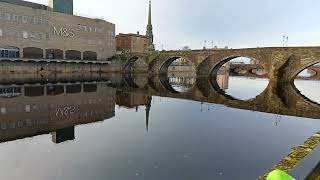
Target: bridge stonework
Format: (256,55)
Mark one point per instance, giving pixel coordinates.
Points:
(282,64)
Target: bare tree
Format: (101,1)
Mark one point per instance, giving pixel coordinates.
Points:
(186,48)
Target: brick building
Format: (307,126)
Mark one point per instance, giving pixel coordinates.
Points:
(131,43)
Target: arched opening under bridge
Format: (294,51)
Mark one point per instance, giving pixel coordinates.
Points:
(241,77)
(180,73)
(307,81)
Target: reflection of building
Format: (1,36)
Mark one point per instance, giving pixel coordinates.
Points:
(132,100)
(223,78)
(131,43)
(182,84)
(53,108)
(30,30)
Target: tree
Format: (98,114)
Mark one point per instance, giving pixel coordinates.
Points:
(186,48)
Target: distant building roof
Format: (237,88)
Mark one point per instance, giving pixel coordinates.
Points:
(132,35)
(26,4)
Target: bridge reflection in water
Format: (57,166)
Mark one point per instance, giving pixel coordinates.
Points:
(37,105)
(281,99)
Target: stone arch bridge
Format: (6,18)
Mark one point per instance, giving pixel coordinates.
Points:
(282,64)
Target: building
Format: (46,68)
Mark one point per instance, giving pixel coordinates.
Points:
(131,43)
(136,43)
(34,31)
(62,6)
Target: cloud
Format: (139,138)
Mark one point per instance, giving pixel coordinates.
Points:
(245,23)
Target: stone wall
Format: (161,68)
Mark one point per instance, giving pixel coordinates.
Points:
(27,67)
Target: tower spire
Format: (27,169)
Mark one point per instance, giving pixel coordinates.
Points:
(149,33)
(149,17)
(148,107)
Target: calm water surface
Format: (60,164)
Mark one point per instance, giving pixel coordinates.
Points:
(133,135)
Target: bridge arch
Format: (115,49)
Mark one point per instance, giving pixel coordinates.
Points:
(310,63)
(128,79)
(216,67)
(135,62)
(226,81)
(129,64)
(164,67)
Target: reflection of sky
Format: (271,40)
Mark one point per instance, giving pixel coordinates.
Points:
(309,88)
(245,88)
(182,143)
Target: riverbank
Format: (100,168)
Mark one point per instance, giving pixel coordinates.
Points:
(297,155)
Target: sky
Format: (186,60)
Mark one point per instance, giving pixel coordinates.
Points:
(236,24)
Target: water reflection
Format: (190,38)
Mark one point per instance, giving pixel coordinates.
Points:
(55,109)
(181,75)
(242,73)
(308,83)
(146,130)
(182,83)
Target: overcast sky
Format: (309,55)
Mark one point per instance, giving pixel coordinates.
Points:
(237,23)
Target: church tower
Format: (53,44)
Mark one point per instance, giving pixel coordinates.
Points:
(149,33)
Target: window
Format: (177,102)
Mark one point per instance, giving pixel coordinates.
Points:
(27,109)
(3,110)
(20,124)
(40,21)
(0,32)
(3,126)
(15,17)
(47,36)
(31,19)
(7,16)
(24,19)
(25,34)
(28,122)
(33,35)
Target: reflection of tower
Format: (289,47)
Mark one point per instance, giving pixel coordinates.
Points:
(148,107)
(62,135)
(149,33)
